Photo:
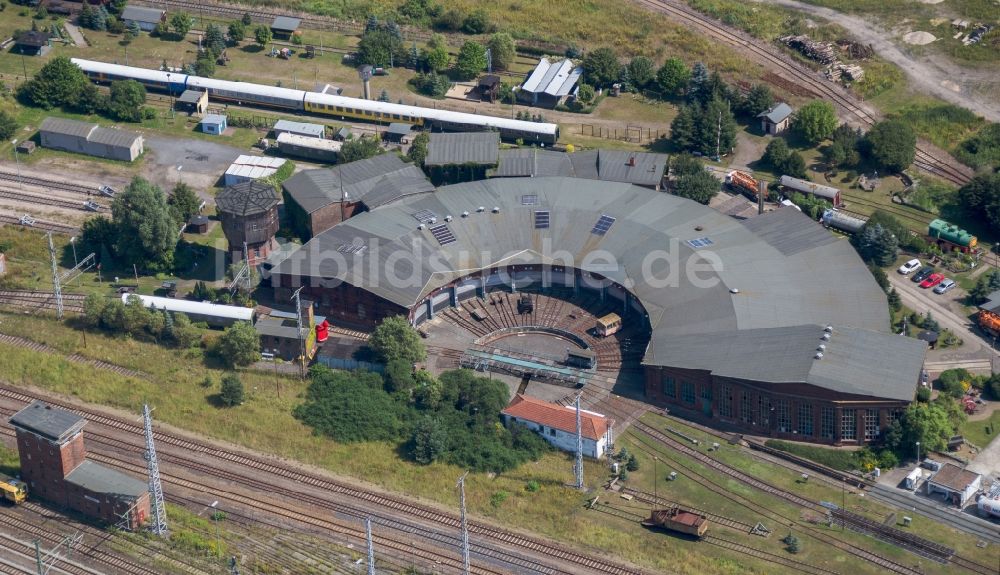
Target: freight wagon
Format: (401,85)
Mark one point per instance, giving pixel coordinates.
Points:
(744,183)
(827,193)
(841,221)
(679,520)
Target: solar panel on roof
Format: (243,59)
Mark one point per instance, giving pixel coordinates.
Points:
(352,248)
(699,242)
(425,216)
(541,219)
(603,225)
(529,200)
(443,235)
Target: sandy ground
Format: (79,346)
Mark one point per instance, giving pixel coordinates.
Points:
(930,74)
(919,38)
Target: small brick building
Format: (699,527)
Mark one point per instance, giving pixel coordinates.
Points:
(249,214)
(54,466)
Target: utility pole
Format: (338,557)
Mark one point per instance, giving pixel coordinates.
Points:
(371,547)
(45,562)
(155,489)
(718,139)
(298,324)
(56,284)
(579,446)
(465,525)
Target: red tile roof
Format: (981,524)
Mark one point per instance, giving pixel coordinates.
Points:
(592,426)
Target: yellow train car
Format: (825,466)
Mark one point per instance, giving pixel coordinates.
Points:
(14,490)
(358,113)
(607,325)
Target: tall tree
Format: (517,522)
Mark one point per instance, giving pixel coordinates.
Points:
(236,32)
(58,83)
(435,58)
(395,339)
(502,50)
(699,186)
(683,128)
(215,40)
(776,153)
(359,149)
(758,100)
(716,128)
(239,344)
(641,71)
(892,144)
(379,47)
(181,23)
(673,76)
(183,203)
(146,233)
(262,35)
(8,125)
(698,83)
(126,99)
(876,244)
(601,67)
(418,149)
(815,121)
(231,392)
(471,60)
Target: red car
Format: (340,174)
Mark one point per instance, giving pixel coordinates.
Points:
(932,280)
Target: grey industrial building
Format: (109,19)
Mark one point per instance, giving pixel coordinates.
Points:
(316,200)
(299,129)
(782,331)
(644,169)
(550,83)
(146,18)
(91,139)
(461,156)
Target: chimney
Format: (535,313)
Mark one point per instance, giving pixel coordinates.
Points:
(631,161)
(761,194)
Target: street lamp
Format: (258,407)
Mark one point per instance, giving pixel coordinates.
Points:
(72,242)
(17,161)
(918,453)
(513,101)
(171,91)
(215,517)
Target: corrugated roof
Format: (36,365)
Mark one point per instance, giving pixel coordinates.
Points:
(532,162)
(315,189)
(114,137)
(309,142)
(286,23)
(262,161)
(275,327)
(592,425)
(642,168)
(142,14)
(99,479)
(315,130)
(992,302)
(196,307)
(191,96)
(553,78)
(49,422)
(249,172)
(399,128)
(246,198)
(777,113)
(482,148)
(67,127)
(391,187)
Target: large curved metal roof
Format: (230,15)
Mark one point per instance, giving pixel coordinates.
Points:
(777,270)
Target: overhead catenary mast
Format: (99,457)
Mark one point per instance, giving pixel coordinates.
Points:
(579,446)
(159,526)
(465,525)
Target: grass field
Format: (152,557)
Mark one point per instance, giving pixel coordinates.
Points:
(978,432)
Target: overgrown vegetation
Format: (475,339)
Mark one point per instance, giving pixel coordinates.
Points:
(982,149)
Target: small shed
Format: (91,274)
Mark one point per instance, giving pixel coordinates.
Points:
(33,43)
(91,139)
(398,133)
(192,102)
(776,120)
(342,134)
(299,129)
(213,124)
(25,147)
(198,224)
(489,87)
(285,26)
(958,485)
(146,18)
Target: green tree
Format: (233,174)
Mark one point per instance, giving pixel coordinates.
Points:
(231,393)
(815,121)
(262,35)
(125,100)
(926,423)
(843,148)
(673,76)
(601,67)
(476,23)
(683,128)
(418,149)
(58,83)
(236,32)
(183,202)
(246,20)
(429,441)
(699,186)
(359,149)
(794,165)
(181,23)
(215,40)
(395,339)
(586,93)
(435,59)
(716,128)
(93,309)
(133,29)
(876,244)
(184,333)
(641,71)
(204,66)
(116,6)
(685,165)
(471,60)
(113,316)
(136,315)
(698,89)
(503,50)
(379,47)
(981,198)
(758,100)
(891,144)
(350,407)
(239,344)
(8,125)
(776,153)
(145,232)
(954,382)
(895,302)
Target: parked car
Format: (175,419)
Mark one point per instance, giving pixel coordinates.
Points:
(945,286)
(909,267)
(922,274)
(932,280)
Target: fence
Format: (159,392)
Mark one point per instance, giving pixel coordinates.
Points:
(635,134)
(349,364)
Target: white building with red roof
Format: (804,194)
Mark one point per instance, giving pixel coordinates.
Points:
(557,424)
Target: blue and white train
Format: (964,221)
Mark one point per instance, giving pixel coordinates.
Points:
(242,93)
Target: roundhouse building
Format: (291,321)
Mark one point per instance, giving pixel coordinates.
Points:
(771,324)
(249,214)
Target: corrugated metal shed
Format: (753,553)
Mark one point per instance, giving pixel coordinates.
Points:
(99,479)
(553,78)
(286,23)
(262,161)
(113,137)
(299,128)
(241,173)
(231,312)
(315,189)
(142,14)
(481,148)
(67,127)
(49,422)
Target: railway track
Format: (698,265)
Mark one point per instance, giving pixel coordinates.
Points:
(41,300)
(51,184)
(927,158)
(43,225)
(46,201)
(646,497)
(566,556)
(893,210)
(75,358)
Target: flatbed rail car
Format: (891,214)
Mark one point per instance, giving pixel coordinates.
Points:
(13,490)
(678,520)
(335,106)
(581,358)
(608,325)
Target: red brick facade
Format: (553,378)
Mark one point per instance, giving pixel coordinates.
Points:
(44,464)
(343,303)
(331,215)
(794,411)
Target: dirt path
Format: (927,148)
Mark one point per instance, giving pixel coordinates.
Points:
(972,89)
(75,34)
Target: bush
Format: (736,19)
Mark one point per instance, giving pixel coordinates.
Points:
(231,393)
(532,486)
(833,458)
(239,344)
(954,382)
(497,499)
(923,394)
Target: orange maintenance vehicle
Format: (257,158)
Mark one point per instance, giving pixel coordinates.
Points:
(679,520)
